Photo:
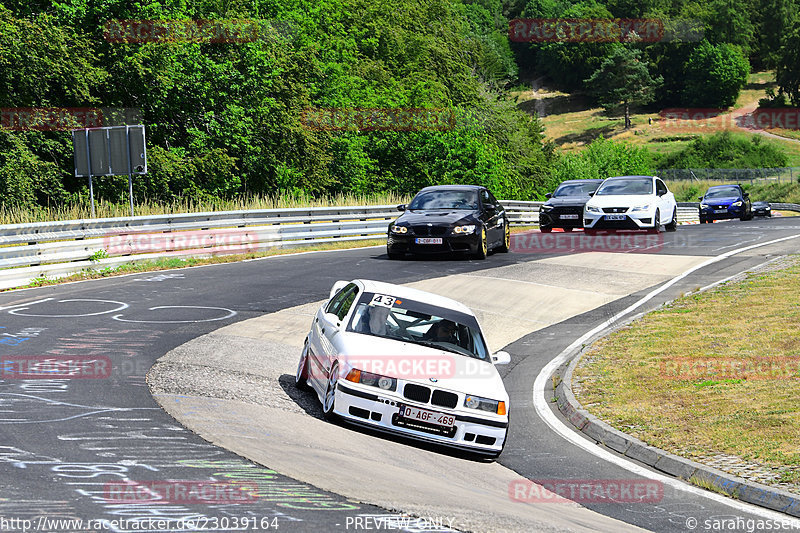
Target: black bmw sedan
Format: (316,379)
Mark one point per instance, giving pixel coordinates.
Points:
(450,218)
(564,208)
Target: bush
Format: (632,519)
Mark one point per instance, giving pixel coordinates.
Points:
(726,150)
(604,158)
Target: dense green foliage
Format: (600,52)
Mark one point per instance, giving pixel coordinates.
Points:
(226,118)
(604,158)
(726,150)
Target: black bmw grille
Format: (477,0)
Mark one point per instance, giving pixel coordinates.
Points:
(417,393)
(425,230)
(444,399)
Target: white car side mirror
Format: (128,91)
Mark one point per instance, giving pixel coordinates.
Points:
(501,358)
(339,285)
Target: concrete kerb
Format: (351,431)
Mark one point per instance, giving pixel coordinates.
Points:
(679,467)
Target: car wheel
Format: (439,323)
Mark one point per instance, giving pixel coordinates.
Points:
(506,246)
(673,226)
(703,220)
(329,401)
(656,223)
(393,255)
(483,249)
(301,377)
(545,229)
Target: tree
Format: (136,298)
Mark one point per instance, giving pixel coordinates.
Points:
(788,71)
(623,80)
(714,75)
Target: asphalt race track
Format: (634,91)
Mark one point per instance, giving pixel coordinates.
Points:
(65,444)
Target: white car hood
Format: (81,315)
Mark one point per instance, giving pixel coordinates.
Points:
(418,364)
(621,200)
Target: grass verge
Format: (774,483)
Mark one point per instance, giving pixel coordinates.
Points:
(104,209)
(686,378)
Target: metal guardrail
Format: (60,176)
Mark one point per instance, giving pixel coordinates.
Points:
(53,249)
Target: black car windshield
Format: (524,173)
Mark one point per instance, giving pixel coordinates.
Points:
(407,320)
(575,189)
(445,199)
(728,192)
(626,186)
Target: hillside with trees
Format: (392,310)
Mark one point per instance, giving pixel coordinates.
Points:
(225,119)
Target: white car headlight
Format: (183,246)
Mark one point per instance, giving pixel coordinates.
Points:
(593,209)
(640,208)
(465,230)
(545,208)
(373,380)
(737,203)
(703,206)
(485,404)
(399,229)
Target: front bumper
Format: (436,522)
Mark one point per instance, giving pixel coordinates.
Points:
(404,243)
(727,212)
(379,409)
(630,221)
(554,217)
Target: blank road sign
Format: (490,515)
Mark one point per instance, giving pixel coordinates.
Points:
(112,151)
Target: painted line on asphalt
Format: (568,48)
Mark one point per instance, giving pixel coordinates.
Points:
(543,408)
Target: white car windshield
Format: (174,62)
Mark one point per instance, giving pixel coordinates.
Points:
(631,186)
(419,323)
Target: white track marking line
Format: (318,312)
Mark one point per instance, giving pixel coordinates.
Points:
(543,408)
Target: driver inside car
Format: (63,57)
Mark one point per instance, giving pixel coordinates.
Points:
(442,331)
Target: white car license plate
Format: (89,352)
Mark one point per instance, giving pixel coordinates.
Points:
(431,417)
(568,217)
(428,240)
(615,217)
(720,210)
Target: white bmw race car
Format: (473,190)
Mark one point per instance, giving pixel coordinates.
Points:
(406,361)
(631,203)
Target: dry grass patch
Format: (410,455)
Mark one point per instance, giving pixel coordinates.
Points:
(628,378)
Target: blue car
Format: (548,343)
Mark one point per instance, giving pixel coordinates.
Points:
(723,202)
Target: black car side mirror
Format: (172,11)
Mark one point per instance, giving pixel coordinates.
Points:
(401,207)
(491,208)
(592,193)
(548,195)
(700,199)
(746,195)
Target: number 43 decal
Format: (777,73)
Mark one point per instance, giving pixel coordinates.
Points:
(383,300)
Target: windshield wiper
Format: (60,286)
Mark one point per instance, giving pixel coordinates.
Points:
(435,346)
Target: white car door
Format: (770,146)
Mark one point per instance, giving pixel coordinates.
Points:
(663,201)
